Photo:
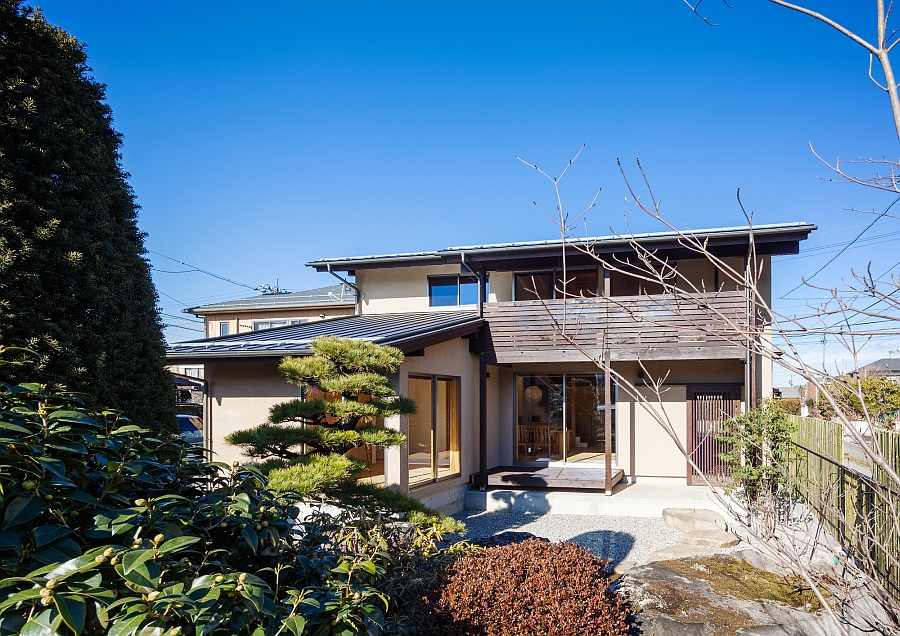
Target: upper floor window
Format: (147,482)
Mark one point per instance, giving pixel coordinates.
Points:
(453,290)
(271,324)
(223,328)
(549,285)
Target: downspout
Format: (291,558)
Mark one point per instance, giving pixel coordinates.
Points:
(349,284)
(482,383)
(480,277)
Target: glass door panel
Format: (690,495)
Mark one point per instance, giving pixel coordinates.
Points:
(585,418)
(539,418)
(421,469)
(447,427)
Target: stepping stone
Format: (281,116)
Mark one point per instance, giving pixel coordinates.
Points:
(687,519)
(623,566)
(681,552)
(710,538)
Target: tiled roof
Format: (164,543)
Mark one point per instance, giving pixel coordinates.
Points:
(334,295)
(402,330)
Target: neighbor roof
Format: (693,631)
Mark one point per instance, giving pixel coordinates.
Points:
(408,332)
(780,238)
(335,295)
(886,366)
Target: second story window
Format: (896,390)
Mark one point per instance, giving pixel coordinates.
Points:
(454,290)
(549,285)
(223,328)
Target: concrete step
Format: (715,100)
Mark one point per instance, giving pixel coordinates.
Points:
(627,500)
(687,519)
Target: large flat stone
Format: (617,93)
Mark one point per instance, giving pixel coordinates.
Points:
(710,538)
(687,519)
(681,552)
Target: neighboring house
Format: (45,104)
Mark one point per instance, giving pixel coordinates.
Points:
(267,311)
(500,393)
(886,367)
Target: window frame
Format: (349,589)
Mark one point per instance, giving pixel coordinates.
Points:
(433,378)
(459,278)
(223,328)
(555,274)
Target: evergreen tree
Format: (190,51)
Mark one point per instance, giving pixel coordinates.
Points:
(74,285)
(347,390)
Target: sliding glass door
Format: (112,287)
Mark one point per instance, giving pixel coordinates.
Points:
(433,436)
(562,418)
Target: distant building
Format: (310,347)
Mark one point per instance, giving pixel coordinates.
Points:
(267,311)
(787,392)
(889,367)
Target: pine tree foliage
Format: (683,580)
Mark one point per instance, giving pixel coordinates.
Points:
(347,390)
(74,285)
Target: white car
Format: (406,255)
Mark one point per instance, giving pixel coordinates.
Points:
(191,428)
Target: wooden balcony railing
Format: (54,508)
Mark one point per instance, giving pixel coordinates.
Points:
(664,327)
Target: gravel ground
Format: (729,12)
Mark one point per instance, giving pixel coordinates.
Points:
(616,538)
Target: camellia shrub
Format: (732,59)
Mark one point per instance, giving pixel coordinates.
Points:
(533,588)
(111,528)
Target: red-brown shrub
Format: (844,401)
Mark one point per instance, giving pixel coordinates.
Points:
(533,588)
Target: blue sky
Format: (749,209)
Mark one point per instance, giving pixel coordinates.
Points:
(260,137)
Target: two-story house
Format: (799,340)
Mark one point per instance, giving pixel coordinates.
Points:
(503,397)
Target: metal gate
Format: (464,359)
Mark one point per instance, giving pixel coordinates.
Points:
(708,406)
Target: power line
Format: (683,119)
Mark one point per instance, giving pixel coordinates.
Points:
(203,271)
(845,248)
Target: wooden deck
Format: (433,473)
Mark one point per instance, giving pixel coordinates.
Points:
(547,477)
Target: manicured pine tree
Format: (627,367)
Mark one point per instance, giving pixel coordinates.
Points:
(74,284)
(347,389)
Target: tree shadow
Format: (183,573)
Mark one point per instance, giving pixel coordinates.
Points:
(612,545)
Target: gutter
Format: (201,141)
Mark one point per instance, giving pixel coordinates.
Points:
(349,284)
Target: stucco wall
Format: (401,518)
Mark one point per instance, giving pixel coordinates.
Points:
(446,359)
(241,395)
(405,289)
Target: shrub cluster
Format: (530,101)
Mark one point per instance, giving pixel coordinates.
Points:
(108,527)
(533,588)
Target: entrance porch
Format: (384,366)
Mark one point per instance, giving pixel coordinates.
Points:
(550,477)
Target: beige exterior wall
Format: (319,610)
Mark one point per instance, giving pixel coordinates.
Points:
(405,289)
(240,397)
(446,359)
(242,322)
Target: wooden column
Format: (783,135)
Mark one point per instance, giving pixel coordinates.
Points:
(607,419)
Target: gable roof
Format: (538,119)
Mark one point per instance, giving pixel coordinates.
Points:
(331,296)
(408,332)
(773,239)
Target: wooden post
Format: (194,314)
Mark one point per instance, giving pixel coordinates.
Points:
(607,419)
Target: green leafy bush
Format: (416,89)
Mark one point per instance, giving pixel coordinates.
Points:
(759,451)
(533,588)
(112,528)
(791,406)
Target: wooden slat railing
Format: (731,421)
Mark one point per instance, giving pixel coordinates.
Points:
(646,327)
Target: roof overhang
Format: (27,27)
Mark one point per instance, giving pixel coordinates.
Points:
(770,240)
(407,332)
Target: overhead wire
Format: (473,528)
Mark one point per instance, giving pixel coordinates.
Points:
(844,249)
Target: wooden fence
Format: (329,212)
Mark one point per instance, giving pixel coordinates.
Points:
(888,442)
(861,513)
